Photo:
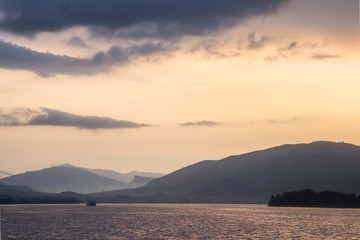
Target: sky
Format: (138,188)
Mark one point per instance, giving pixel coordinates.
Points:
(156,85)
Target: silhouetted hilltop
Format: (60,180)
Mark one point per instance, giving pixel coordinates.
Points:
(309,198)
(255,176)
(64,178)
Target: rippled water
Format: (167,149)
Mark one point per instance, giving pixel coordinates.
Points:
(176,221)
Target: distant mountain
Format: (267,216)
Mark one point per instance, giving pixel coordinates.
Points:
(139,181)
(123,177)
(109,174)
(255,176)
(64,178)
(4,174)
(130,175)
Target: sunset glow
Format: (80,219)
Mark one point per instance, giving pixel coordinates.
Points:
(152,96)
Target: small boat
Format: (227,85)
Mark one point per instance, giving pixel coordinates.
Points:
(90,203)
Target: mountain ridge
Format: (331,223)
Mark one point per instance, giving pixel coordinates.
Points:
(123,177)
(251,177)
(254,176)
(63,178)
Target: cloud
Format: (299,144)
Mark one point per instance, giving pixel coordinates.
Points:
(155,27)
(77,42)
(294,119)
(52,117)
(256,44)
(47,64)
(214,48)
(271,58)
(276,121)
(202,123)
(289,47)
(134,19)
(283,52)
(226,48)
(322,56)
(295,48)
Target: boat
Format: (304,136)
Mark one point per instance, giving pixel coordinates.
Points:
(90,203)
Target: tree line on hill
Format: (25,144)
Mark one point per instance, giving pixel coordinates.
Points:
(309,198)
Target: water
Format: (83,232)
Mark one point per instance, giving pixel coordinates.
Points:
(177,221)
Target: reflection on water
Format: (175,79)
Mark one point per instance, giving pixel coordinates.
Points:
(177,221)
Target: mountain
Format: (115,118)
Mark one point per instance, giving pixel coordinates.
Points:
(139,181)
(255,176)
(123,177)
(109,174)
(64,178)
(4,174)
(130,175)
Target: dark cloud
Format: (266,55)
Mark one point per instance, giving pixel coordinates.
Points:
(256,44)
(133,18)
(214,48)
(47,64)
(322,56)
(52,117)
(202,123)
(77,42)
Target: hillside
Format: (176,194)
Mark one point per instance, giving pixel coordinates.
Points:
(255,176)
(64,178)
(17,190)
(12,194)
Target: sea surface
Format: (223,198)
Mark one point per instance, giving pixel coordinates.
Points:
(177,221)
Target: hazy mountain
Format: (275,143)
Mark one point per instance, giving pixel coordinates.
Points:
(255,176)
(123,177)
(247,178)
(139,181)
(109,174)
(4,174)
(64,178)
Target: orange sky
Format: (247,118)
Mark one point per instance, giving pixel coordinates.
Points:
(287,77)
